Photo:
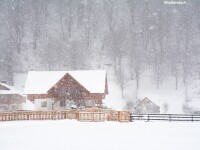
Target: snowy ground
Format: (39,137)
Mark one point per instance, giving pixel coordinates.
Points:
(74,135)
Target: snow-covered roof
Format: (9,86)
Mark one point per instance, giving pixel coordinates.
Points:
(148,100)
(5,85)
(10,90)
(39,82)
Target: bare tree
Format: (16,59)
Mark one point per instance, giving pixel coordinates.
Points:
(69,19)
(130,105)
(61,12)
(16,22)
(135,36)
(165,107)
(49,55)
(121,76)
(36,21)
(132,8)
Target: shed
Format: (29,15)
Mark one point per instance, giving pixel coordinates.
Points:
(147,106)
(10,99)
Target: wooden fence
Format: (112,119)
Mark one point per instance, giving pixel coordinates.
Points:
(85,115)
(94,115)
(38,115)
(165,117)
(109,115)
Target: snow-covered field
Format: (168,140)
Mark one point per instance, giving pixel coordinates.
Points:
(74,135)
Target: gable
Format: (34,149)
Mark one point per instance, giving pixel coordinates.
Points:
(67,88)
(68,81)
(147,101)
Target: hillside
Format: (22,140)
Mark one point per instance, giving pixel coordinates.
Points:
(149,48)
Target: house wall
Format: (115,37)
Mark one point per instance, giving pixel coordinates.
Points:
(52,104)
(57,105)
(149,108)
(11,99)
(69,103)
(32,97)
(10,107)
(11,102)
(38,104)
(95,96)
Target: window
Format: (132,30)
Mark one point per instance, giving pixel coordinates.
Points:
(43,104)
(62,103)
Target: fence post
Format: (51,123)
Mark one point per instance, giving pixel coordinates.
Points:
(77,115)
(170,118)
(192,118)
(131,120)
(148,117)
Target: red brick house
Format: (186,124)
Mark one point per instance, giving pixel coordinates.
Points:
(61,89)
(10,99)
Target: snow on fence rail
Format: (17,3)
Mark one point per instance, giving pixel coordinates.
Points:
(165,117)
(85,115)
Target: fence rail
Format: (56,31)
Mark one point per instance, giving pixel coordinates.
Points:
(165,117)
(121,116)
(86,115)
(92,116)
(37,115)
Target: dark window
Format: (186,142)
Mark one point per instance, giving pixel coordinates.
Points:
(44,104)
(62,103)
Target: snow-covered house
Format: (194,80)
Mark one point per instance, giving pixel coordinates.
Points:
(10,99)
(59,90)
(146,106)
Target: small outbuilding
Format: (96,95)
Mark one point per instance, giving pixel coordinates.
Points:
(147,106)
(10,99)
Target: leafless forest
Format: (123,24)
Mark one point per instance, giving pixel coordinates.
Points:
(126,36)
